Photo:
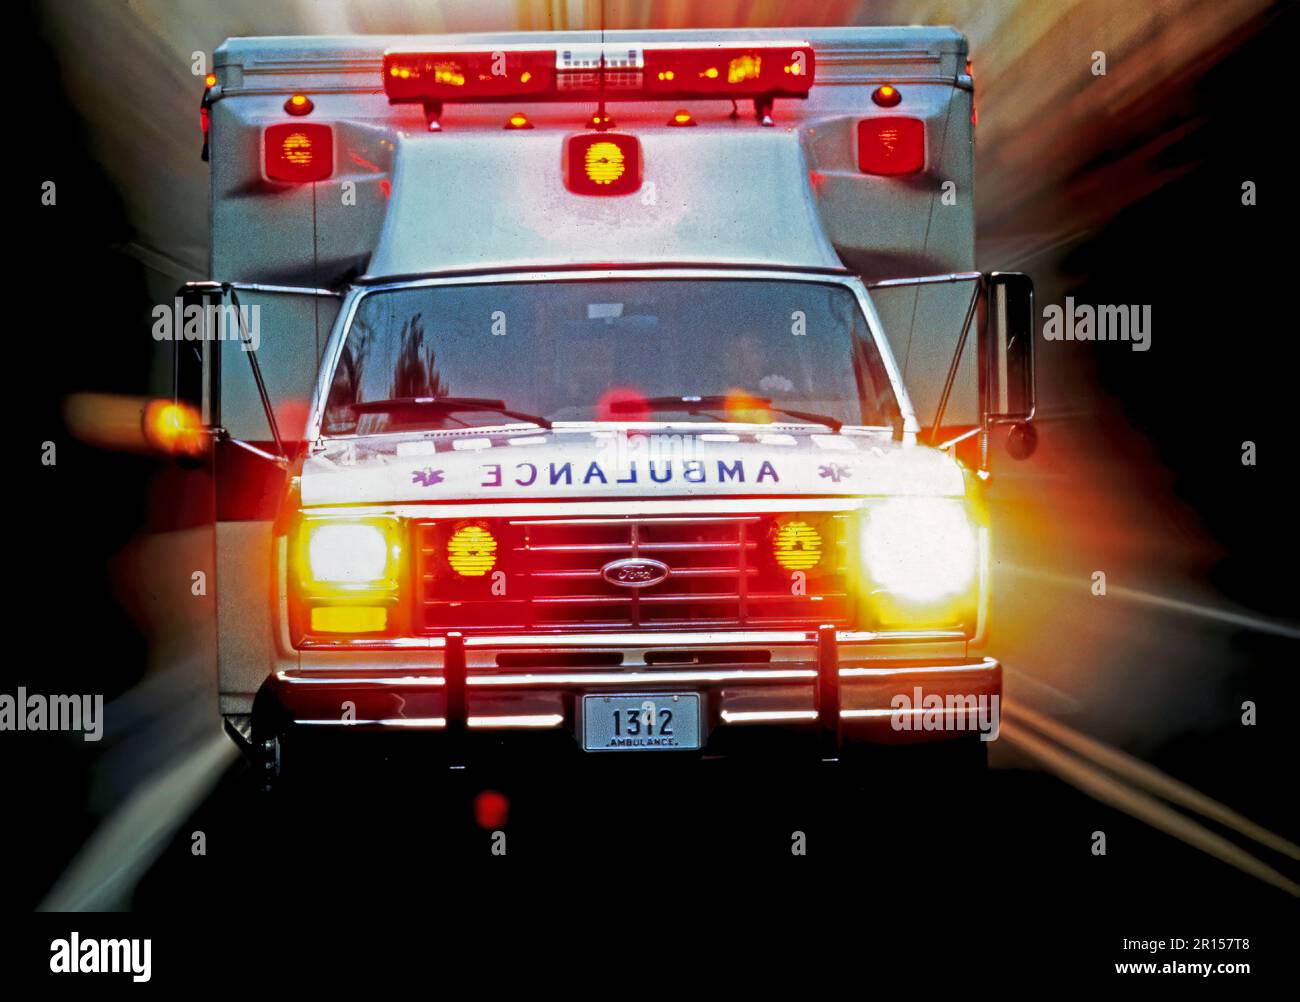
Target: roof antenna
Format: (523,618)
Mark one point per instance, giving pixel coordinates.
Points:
(601,122)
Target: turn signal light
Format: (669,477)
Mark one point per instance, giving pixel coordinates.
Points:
(886,95)
(173,428)
(472,551)
(298,152)
(299,104)
(797,546)
(349,619)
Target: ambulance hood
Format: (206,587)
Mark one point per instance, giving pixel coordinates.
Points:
(611,461)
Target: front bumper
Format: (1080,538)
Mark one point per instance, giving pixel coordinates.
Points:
(837,686)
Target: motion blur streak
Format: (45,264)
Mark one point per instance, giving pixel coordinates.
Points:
(105,872)
(1150,778)
(1081,583)
(1037,124)
(1094,782)
(107,420)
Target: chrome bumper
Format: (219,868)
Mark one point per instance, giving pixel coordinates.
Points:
(839,686)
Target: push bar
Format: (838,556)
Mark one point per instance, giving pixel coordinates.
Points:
(453,674)
(827,695)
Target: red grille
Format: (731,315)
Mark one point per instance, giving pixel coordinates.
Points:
(722,574)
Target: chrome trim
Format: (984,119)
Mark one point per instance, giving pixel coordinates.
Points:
(767,716)
(542,642)
(988,664)
(605,521)
(533,721)
(954,276)
(534,508)
(539,641)
(622,678)
(425,722)
(518,720)
(297,290)
(400,681)
(544,721)
(614,677)
(611,571)
(550,642)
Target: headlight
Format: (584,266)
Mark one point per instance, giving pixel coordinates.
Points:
(348,572)
(353,555)
(920,550)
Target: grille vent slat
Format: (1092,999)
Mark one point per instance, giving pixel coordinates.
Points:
(722,575)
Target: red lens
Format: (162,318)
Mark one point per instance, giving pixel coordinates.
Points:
(758,70)
(468,76)
(299,152)
(891,146)
(778,71)
(606,163)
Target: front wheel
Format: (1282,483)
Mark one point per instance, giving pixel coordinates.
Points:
(268,744)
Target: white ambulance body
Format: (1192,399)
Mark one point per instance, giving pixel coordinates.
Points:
(570,400)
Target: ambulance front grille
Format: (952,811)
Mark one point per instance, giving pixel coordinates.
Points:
(548,576)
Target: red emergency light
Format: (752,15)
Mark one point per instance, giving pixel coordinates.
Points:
(298,152)
(602,163)
(644,72)
(891,145)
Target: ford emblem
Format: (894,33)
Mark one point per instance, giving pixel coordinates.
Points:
(634,572)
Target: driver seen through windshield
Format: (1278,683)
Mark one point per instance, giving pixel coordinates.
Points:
(598,351)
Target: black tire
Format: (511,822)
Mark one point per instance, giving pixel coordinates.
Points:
(270,727)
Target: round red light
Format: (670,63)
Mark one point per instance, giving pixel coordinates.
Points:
(491,809)
(299,104)
(886,96)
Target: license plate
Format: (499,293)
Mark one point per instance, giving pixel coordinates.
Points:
(659,721)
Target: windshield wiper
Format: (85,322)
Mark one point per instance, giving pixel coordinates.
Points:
(447,405)
(697,405)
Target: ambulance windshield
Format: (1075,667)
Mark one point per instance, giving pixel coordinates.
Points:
(604,350)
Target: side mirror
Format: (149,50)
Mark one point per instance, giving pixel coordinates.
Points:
(191,356)
(1010,395)
(179,427)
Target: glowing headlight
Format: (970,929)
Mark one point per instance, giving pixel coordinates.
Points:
(920,549)
(349,553)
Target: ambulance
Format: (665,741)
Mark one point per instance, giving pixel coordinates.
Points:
(600,394)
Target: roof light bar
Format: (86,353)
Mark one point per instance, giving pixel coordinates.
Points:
(644,72)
